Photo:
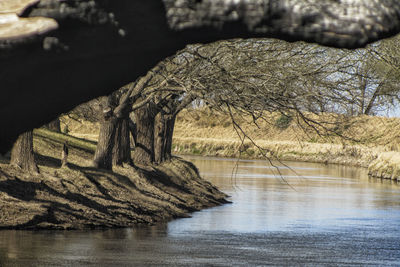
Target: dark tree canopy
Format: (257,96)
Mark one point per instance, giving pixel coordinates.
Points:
(100,45)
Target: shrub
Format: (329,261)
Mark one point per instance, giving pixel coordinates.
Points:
(283,121)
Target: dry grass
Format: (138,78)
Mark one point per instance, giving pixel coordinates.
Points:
(205,132)
(366,130)
(371,141)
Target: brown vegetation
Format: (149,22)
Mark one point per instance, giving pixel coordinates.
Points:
(372,142)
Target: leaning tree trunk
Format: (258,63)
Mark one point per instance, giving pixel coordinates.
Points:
(159,137)
(122,148)
(22,153)
(144,149)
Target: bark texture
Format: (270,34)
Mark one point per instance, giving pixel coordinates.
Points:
(22,155)
(121,151)
(159,137)
(169,135)
(163,132)
(144,149)
(103,155)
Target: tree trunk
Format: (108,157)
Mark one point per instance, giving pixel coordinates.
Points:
(122,147)
(54,125)
(144,150)
(103,155)
(163,131)
(170,125)
(133,131)
(159,137)
(113,147)
(22,153)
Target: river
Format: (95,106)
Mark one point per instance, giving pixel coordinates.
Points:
(297,214)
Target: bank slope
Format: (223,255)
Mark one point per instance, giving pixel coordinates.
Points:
(79,197)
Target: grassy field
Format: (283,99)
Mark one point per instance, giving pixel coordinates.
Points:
(374,142)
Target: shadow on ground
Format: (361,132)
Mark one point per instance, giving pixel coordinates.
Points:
(79,197)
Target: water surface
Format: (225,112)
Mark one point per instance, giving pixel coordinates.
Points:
(297,214)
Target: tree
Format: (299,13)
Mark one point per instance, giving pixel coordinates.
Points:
(144,147)
(165,123)
(113,145)
(22,155)
(122,147)
(383,61)
(103,155)
(264,76)
(255,77)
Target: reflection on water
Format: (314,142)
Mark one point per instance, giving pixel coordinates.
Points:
(318,196)
(328,214)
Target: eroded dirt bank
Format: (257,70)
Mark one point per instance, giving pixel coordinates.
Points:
(80,197)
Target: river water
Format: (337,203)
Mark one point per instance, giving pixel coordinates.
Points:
(297,214)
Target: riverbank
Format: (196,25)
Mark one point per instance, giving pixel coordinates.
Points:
(374,142)
(206,133)
(81,197)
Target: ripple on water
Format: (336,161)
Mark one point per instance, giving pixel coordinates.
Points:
(329,215)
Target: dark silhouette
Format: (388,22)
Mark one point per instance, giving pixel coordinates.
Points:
(98,48)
